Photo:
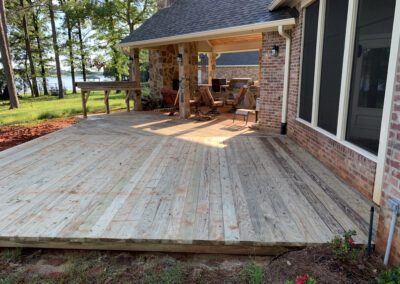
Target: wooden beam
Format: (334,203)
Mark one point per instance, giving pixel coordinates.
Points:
(84,109)
(135,77)
(234,47)
(106,101)
(102,86)
(204,46)
(212,66)
(184,81)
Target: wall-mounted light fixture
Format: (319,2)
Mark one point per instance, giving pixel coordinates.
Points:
(275,51)
(179,58)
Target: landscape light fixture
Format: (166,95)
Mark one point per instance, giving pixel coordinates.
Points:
(179,58)
(275,51)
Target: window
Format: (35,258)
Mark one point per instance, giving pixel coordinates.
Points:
(370,65)
(308,64)
(332,63)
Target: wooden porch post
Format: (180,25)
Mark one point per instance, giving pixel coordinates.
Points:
(212,66)
(260,58)
(184,81)
(135,77)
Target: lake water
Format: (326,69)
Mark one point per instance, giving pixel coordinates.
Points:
(52,82)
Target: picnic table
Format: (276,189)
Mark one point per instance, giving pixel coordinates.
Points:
(131,93)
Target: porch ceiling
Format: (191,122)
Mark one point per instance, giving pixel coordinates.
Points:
(249,42)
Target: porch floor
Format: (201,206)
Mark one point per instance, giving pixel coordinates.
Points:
(150,182)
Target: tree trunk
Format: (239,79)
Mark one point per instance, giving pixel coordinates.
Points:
(82,51)
(71,53)
(56,50)
(6,58)
(128,16)
(40,51)
(28,47)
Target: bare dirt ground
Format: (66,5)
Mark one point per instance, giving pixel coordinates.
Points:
(11,136)
(58,266)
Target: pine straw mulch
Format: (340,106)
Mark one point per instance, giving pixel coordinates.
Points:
(11,136)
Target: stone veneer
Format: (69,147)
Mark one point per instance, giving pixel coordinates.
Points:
(163,68)
(391,187)
(354,168)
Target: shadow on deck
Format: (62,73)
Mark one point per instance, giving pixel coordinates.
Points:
(149,182)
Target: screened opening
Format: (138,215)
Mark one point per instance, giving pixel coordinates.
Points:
(308,63)
(332,63)
(370,65)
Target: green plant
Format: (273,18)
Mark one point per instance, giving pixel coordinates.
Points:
(344,246)
(173,274)
(12,255)
(391,276)
(9,278)
(302,279)
(253,273)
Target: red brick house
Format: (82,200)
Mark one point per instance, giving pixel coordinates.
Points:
(329,77)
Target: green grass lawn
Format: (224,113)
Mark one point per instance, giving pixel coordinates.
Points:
(33,110)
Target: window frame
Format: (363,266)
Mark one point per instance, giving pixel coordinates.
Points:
(340,137)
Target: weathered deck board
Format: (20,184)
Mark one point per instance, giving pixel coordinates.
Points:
(149,182)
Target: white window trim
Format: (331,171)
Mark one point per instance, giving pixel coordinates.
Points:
(347,69)
(388,105)
(318,62)
(301,62)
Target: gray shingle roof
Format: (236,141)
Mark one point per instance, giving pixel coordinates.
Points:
(190,16)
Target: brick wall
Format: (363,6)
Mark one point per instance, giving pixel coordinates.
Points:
(391,187)
(354,168)
(271,81)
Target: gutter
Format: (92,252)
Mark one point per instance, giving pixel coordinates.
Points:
(285,96)
(275,4)
(206,35)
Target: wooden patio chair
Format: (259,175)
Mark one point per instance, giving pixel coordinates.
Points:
(238,99)
(194,105)
(207,98)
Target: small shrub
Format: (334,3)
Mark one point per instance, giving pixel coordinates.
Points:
(302,279)
(344,247)
(12,255)
(253,273)
(391,276)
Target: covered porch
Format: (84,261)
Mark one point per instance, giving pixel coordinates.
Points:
(149,182)
(174,52)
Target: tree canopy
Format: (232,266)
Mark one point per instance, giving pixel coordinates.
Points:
(50,37)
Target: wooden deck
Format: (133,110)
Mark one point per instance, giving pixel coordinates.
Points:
(150,182)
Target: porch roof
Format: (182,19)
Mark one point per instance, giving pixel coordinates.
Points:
(191,20)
